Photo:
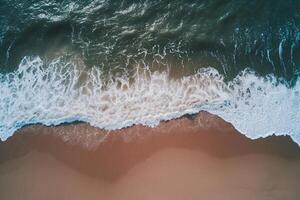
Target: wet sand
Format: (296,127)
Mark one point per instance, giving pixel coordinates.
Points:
(194,157)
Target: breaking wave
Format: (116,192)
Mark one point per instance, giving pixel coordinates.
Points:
(64,92)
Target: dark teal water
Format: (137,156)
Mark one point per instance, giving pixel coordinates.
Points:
(227,35)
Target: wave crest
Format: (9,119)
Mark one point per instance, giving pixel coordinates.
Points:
(62,92)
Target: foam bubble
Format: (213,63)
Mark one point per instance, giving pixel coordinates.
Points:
(65,92)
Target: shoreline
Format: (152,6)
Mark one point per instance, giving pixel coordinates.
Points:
(194,157)
(78,144)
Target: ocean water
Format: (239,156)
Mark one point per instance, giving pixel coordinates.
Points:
(114,64)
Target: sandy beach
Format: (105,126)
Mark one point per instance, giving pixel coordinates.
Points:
(180,159)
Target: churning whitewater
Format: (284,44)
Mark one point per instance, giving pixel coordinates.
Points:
(61,91)
(116,63)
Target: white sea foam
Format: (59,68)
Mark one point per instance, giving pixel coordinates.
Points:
(65,92)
